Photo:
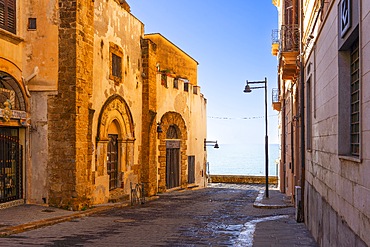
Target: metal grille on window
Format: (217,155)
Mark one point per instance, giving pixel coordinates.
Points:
(355,100)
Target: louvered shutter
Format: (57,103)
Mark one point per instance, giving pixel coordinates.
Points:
(8,15)
(2,14)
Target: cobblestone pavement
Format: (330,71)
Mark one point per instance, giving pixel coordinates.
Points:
(220,215)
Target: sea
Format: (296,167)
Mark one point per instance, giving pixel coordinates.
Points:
(242,159)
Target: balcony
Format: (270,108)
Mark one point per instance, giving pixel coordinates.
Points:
(276,100)
(275,42)
(289,50)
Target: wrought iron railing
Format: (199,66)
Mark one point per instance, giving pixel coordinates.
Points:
(275,95)
(137,194)
(11,168)
(275,37)
(289,38)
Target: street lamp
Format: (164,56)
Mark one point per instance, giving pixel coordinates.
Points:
(248,89)
(206,143)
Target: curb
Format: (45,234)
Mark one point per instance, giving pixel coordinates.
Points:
(259,204)
(59,219)
(51,221)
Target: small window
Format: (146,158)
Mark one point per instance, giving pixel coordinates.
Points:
(176,83)
(186,87)
(164,80)
(116,55)
(195,90)
(8,15)
(31,23)
(116,66)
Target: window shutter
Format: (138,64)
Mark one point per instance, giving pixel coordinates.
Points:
(8,15)
(2,14)
(11,16)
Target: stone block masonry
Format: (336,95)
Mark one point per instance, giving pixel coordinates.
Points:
(68,111)
(240,179)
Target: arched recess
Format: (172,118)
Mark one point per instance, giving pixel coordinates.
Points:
(14,112)
(174,135)
(115,140)
(11,82)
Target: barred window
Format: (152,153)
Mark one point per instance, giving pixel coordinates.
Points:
(355,100)
(8,15)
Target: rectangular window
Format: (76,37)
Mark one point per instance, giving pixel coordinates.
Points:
(355,100)
(195,90)
(116,66)
(31,23)
(115,63)
(176,83)
(186,87)
(164,80)
(8,15)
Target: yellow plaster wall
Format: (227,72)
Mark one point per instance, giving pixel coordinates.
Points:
(41,45)
(114,25)
(174,60)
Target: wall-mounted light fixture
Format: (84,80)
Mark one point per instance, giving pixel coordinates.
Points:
(159,128)
(207,143)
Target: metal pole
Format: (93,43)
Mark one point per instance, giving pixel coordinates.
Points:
(266,145)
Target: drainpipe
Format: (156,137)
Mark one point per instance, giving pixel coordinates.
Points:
(302,114)
(283,134)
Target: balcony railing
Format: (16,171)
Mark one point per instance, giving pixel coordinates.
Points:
(276,99)
(275,42)
(289,38)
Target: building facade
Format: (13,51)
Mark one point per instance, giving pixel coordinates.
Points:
(325,117)
(75,105)
(176,106)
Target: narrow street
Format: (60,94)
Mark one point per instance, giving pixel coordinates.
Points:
(221,215)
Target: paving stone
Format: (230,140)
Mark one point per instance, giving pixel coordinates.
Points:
(220,215)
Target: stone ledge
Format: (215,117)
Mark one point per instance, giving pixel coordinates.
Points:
(242,179)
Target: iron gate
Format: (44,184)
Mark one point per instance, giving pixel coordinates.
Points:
(10,168)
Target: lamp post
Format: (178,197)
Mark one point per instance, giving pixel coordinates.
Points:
(248,89)
(206,143)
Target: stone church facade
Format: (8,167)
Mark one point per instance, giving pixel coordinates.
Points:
(83,112)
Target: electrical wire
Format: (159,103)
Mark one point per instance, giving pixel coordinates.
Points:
(240,118)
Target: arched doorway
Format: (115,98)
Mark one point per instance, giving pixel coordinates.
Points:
(12,138)
(115,150)
(172,157)
(172,165)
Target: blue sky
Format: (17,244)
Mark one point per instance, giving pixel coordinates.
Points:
(231,40)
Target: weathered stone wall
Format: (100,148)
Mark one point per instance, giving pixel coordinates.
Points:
(172,59)
(149,168)
(68,111)
(117,100)
(170,105)
(326,225)
(236,179)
